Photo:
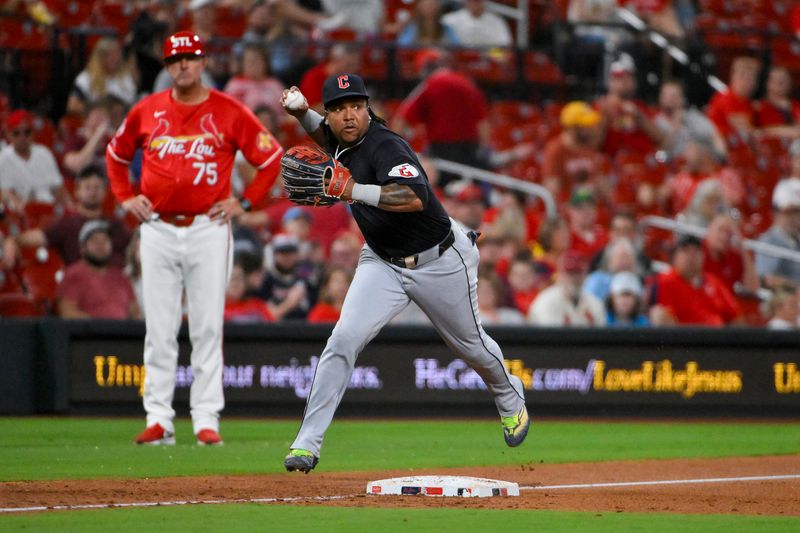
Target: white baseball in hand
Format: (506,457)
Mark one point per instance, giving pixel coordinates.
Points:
(294,100)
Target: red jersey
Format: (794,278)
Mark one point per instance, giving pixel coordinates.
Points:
(188,152)
(710,304)
(523,300)
(590,243)
(684,184)
(449,104)
(768,114)
(322,313)
(572,165)
(722,105)
(728,267)
(623,131)
(251,310)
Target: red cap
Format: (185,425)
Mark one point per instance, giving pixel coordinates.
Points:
(17,118)
(470,193)
(183,43)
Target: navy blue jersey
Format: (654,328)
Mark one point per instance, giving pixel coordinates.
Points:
(379,158)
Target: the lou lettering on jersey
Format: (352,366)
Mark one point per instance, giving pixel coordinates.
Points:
(188,146)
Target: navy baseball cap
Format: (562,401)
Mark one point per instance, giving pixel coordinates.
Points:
(343,86)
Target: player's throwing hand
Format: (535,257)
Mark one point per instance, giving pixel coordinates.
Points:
(294,102)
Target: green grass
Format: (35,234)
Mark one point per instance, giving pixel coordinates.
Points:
(247,518)
(69,448)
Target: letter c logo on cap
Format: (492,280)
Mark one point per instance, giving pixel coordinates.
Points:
(344,83)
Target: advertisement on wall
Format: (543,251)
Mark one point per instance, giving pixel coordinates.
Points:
(423,371)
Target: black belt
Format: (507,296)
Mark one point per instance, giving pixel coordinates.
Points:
(413,261)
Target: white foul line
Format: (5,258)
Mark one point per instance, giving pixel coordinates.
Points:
(171,503)
(663,482)
(342,497)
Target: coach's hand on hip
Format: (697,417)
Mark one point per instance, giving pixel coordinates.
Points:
(140,206)
(225,210)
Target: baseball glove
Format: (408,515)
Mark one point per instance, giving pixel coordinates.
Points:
(303,169)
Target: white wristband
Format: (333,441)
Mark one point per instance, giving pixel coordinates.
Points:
(310,121)
(368,194)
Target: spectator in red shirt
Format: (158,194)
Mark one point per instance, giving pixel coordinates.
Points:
(254,85)
(687,295)
(572,158)
(588,237)
(90,194)
(525,282)
(87,146)
(513,217)
(777,114)
(240,308)
(794,20)
(453,110)
(492,299)
(699,166)
(344,57)
(465,203)
(732,110)
(725,258)
(331,297)
(92,288)
(626,121)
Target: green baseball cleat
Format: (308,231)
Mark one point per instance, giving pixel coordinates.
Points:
(515,428)
(302,460)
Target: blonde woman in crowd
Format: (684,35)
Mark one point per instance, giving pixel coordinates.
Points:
(107,73)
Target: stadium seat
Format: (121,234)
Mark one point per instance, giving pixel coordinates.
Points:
(230,21)
(44,131)
(41,272)
(786,52)
(39,215)
(118,16)
(9,282)
(493,66)
(20,305)
(539,68)
(72,13)
(515,111)
(374,63)
(23,35)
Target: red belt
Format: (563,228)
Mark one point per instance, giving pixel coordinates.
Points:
(178,220)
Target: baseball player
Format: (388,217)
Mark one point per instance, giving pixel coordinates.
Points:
(188,135)
(413,251)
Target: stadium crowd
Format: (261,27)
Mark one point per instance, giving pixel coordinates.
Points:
(730,166)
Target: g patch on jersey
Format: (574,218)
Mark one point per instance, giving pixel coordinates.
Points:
(406,170)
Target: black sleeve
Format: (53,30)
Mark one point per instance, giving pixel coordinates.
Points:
(394,162)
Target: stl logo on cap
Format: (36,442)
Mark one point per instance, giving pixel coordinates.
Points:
(183,43)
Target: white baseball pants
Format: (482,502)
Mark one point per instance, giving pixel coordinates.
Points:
(197,259)
(446,290)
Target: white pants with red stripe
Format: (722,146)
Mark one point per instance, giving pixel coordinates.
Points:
(196,258)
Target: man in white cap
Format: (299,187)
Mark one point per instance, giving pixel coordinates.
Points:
(785,232)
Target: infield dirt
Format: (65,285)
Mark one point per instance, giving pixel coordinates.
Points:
(771,497)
